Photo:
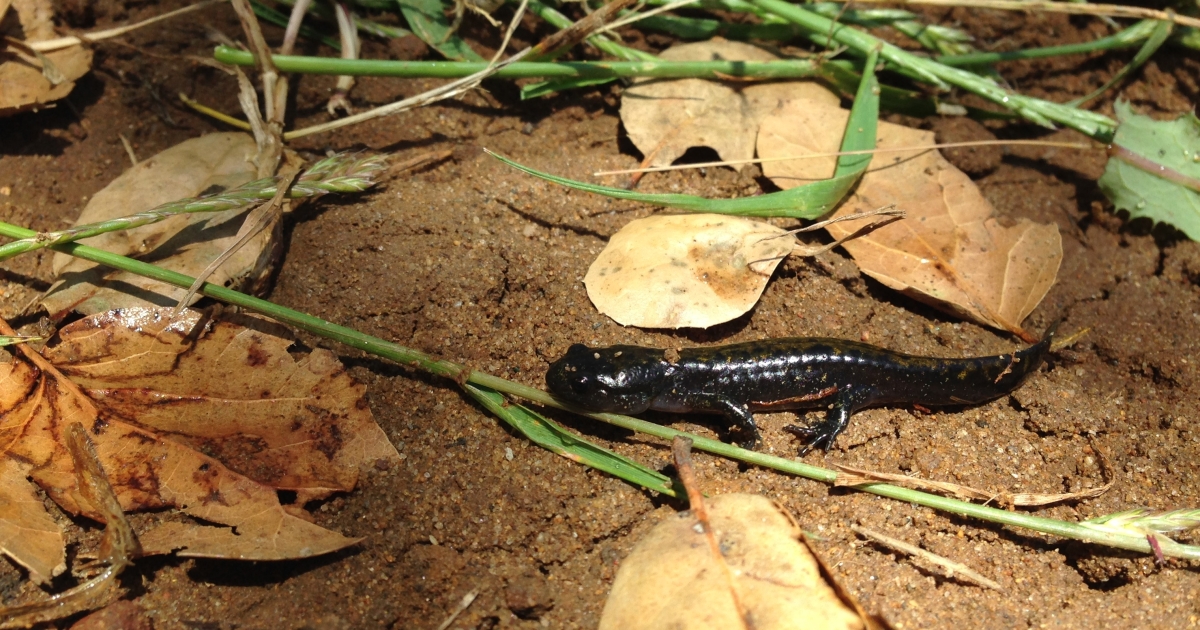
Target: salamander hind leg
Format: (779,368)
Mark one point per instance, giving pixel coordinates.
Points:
(822,434)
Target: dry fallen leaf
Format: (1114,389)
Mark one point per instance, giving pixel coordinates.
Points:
(665,117)
(692,270)
(228,417)
(30,80)
(28,534)
(672,580)
(185,243)
(951,251)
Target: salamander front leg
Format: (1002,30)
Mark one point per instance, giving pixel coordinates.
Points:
(738,415)
(822,434)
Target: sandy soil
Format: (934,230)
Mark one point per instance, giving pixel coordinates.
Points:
(474,262)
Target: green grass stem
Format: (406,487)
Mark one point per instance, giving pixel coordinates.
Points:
(421,361)
(342,173)
(1128,38)
(827,32)
(783,69)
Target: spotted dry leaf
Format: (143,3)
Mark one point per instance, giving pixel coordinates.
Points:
(951,251)
(680,271)
(210,419)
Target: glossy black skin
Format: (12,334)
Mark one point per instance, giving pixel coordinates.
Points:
(790,373)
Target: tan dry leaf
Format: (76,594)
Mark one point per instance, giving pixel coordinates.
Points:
(665,117)
(679,271)
(185,243)
(951,251)
(245,395)
(671,578)
(28,534)
(23,77)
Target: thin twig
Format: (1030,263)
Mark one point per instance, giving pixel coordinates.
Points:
(512,28)
(47,45)
(463,604)
(951,567)
(205,110)
(133,159)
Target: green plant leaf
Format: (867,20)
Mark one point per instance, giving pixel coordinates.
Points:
(542,88)
(803,202)
(427,21)
(552,437)
(1158,36)
(1154,169)
(864,118)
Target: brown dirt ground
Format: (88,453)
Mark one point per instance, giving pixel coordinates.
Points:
(474,262)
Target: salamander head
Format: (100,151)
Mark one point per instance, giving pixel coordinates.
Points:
(619,379)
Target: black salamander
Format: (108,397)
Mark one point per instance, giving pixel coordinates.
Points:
(739,379)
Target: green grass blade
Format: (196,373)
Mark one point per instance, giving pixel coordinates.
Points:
(8,340)
(846,80)
(427,21)
(1158,36)
(803,202)
(551,436)
(542,88)
(704,28)
(1127,38)
(864,118)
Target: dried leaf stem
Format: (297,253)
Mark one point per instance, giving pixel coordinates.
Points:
(421,361)
(48,45)
(951,567)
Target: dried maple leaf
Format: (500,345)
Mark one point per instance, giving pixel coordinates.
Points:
(666,117)
(211,419)
(951,252)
